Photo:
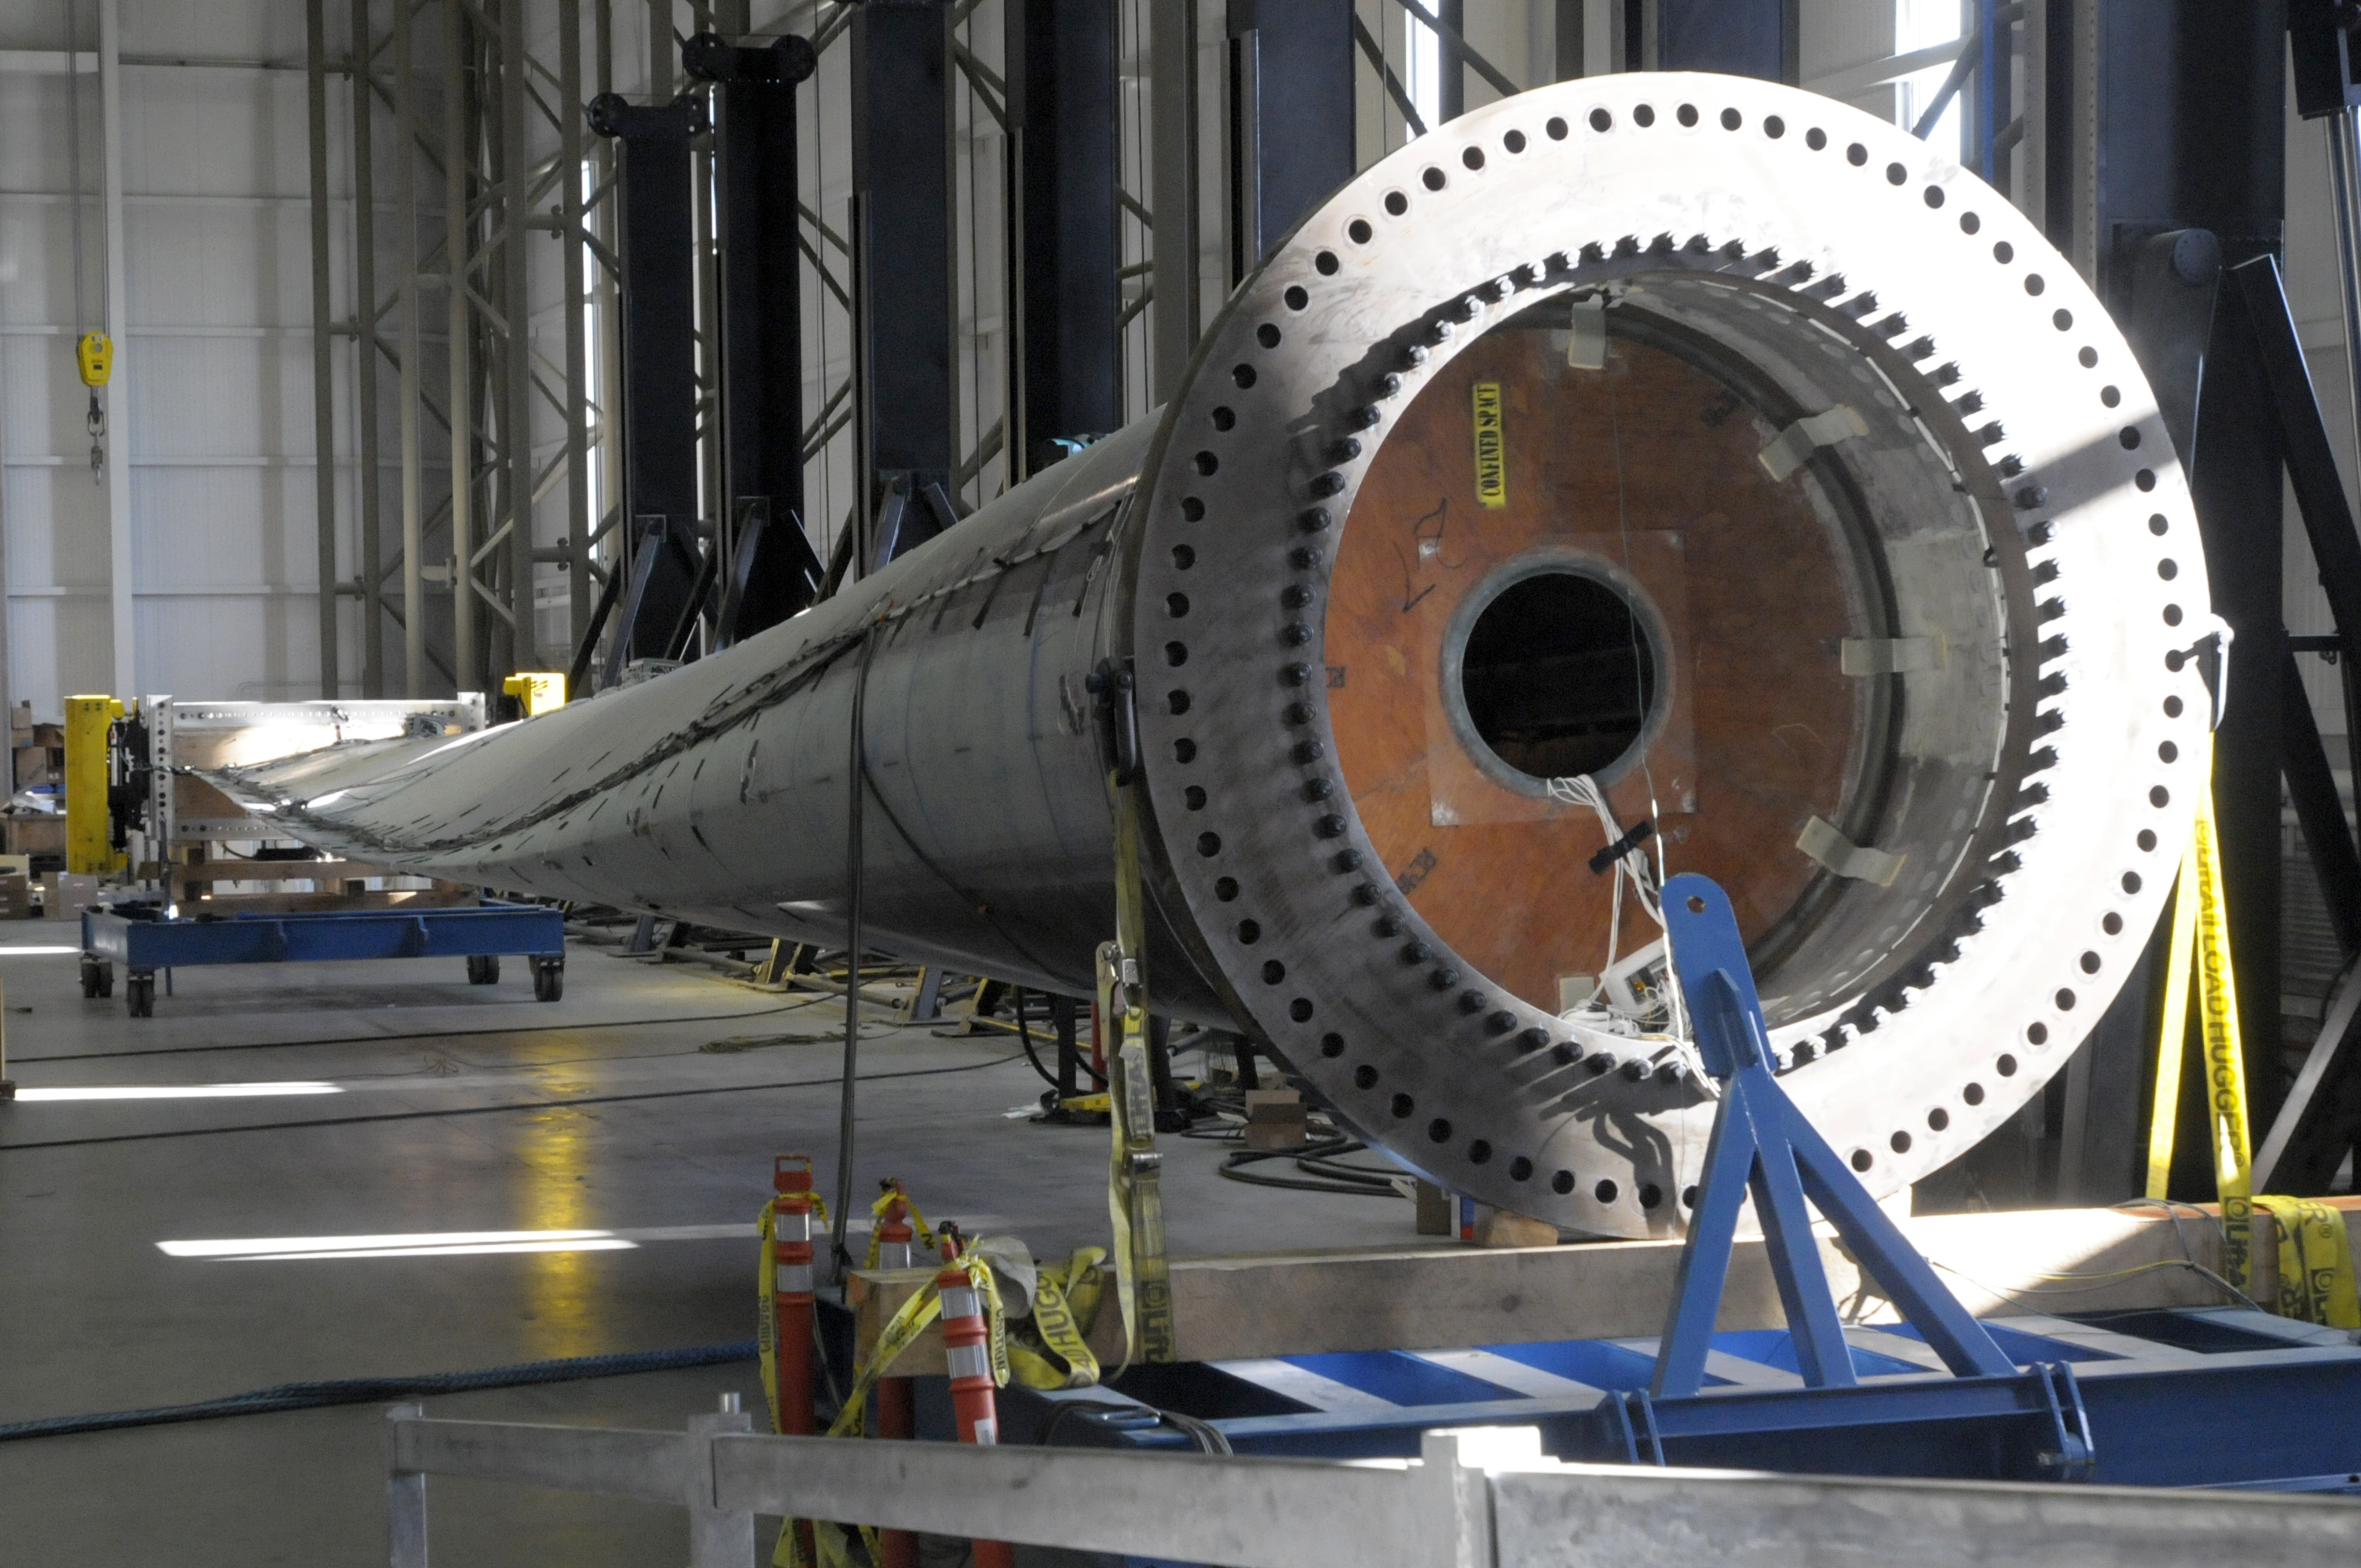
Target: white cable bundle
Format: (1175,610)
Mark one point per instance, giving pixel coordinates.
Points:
(1582,790)
(1646,881)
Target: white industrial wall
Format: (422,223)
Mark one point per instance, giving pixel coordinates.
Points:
(213,370)
(212,387)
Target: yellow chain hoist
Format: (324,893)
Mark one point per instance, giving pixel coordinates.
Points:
(95,358)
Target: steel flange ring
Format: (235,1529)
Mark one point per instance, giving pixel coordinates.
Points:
(1755,409)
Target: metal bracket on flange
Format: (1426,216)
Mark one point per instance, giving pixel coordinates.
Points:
(1792,447)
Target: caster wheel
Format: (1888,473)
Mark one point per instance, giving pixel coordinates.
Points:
(548,979)
(107,979)
(140,995)
(92,970)
(484,969)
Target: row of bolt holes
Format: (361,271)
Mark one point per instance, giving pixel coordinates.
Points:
(1479,1152)
(1397,204)
(1183,558)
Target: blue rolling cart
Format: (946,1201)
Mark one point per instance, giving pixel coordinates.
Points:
(144,942)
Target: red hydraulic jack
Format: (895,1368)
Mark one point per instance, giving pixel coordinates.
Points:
(974,1411)
(792,1335)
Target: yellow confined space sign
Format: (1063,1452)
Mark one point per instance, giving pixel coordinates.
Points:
(1491,448)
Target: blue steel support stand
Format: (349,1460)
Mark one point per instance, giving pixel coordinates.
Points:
(1762,1143)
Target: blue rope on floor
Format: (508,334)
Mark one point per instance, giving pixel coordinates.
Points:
(368,1390)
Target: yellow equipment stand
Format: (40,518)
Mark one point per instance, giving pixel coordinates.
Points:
(540,691)
(88,719)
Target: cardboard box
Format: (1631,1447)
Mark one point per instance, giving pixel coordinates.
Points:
(66,895)
(37,751)
(33,834)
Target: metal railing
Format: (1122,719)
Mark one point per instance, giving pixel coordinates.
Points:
(1477,1498)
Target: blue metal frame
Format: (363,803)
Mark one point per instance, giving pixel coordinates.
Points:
(2182,1397)
(2274,1414)
(475,931)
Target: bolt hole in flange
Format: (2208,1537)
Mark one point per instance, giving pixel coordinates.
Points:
(1707,507)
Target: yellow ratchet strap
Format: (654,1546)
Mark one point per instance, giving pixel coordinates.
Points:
(2314,1256)
(1065,1301)
(2201,955)
(1135,1192)
(877,1217)
(2315,1263)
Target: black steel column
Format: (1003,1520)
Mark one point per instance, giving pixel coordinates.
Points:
(772,571)
(1741,38)
(903,258)
(1291,66)
(655,243)
(2191,117)
(1451,74)
(1067,364)
(1569,26)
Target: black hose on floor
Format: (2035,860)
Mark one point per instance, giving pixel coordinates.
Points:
(1321,1162)
(372,1390)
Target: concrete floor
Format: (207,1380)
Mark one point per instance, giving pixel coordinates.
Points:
(458,1109)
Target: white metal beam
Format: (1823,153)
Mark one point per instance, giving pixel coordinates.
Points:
(124,678)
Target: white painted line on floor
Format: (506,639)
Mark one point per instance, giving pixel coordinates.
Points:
(1504,1372)
(380,1245)
(459,1244)
(1305,1387)
(178,1091)
(594,1244)
(1732,1369)
(859,1225)
(1894,1347)
(744,1231)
